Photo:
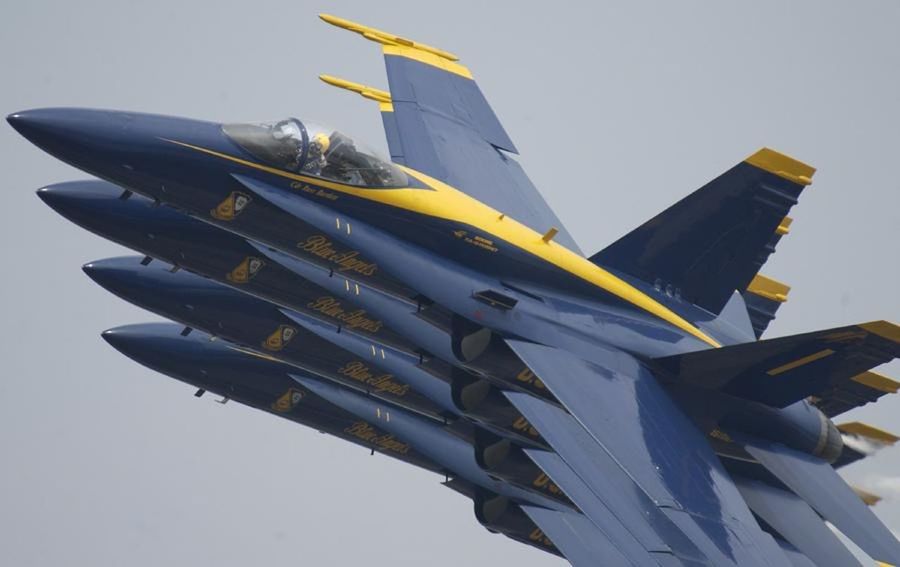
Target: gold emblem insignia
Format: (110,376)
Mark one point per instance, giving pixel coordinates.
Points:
(282,336)
(244,272)
(231,207)
(288,400)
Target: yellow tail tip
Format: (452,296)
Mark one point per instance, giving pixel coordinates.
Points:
(782,165)
(769,288)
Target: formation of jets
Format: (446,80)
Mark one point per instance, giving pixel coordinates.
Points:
(614,409)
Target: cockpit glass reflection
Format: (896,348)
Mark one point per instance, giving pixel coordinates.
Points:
(306,148)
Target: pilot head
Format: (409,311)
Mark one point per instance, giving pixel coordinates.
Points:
(319,145)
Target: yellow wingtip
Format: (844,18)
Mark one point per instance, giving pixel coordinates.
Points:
(885,329)
(871,432)
(385,38)
(878,382)
(769,288)
(782,165)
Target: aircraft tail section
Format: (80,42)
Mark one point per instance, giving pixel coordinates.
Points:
(830,365)
(714,241)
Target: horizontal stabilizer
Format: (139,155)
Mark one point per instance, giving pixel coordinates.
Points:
(816,482)
(796,522)
(779,372)
(714,241)
(853,393)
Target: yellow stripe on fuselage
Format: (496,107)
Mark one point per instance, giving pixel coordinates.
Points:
(445,202)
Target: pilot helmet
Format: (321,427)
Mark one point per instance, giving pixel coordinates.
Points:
(320,142)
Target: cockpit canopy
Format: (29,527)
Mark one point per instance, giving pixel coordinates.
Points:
(306,148)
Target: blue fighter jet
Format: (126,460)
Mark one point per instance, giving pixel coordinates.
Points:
(621,408)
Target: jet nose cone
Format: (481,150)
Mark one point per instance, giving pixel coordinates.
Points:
(62,196)
(41,124)
(117,275)
(17,120)
(28,121)
(136,341)
(78,136)
(155,345)
(129,340)
(86,203)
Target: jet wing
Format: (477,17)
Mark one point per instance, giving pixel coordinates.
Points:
(816,482)
(626,412)
(439,122)
(799,524)
(576,537)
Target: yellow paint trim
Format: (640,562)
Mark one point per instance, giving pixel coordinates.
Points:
(364,91)
(867,497)
(878,382)
(784,227)
(447,203)
(386,38)
(800,362)
(868,431)
(884,329)
(769,288)
(254,353)
(782,165)
(551,232)
(428,59)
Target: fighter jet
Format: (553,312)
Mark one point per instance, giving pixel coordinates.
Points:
(621,408)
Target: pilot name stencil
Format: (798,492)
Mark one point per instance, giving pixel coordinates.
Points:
(479,241)
(309,189)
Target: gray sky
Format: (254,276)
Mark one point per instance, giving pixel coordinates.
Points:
(618,108)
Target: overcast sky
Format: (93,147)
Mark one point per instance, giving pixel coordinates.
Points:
(618,108)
